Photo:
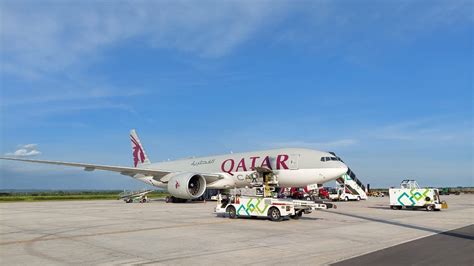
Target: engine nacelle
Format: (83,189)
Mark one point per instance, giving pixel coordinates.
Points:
(187,186)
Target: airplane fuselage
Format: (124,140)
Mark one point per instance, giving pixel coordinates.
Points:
(293,167)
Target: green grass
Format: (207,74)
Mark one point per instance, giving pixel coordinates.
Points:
(87,195)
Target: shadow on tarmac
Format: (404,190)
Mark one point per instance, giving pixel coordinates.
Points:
(439,249)
(453,233)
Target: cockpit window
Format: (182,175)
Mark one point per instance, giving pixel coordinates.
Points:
(327,159)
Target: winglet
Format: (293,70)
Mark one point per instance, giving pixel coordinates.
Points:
(139,156)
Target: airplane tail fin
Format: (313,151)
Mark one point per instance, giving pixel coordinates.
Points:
(139,156)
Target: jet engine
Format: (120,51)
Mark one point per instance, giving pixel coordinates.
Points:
(187,186)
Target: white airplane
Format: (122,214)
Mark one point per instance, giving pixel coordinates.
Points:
(189,178)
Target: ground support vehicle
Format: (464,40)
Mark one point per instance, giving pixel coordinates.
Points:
(317,192)
(341,193)
(257,206)
(300,193)
(411,196)
(323,193)
(448,191)
(261,200)
(443,191)
(376,194)
(135,196)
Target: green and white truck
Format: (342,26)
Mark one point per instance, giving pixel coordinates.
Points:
(411,196)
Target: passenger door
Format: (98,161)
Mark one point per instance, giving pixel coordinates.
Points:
(293,163)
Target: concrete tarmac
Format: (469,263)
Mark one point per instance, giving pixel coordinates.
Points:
(453,247)
(116,233)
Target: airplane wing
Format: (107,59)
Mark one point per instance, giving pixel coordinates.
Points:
(159,175)
(91,167)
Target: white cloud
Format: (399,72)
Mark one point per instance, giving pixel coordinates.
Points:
(40,37)
(423,129)
(50,39)
(30,146)
(27,150)
(60,94)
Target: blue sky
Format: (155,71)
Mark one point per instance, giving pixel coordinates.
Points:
(387,85)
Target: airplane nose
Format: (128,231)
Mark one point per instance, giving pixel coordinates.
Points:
(343,169)
(335,172)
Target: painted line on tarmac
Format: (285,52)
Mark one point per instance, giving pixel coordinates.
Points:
(38,239)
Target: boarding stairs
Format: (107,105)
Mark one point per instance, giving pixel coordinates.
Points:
(127,196)
(351,183)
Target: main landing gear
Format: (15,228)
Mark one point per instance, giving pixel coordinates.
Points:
(171,199)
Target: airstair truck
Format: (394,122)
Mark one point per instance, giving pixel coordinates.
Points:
(348,188)
(352,186)
(262,203)
(411,196)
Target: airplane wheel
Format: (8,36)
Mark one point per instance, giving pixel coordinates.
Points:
(274,214)
(231,212)
(168,199)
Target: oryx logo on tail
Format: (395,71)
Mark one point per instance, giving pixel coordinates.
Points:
(137,152)
(139,155)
